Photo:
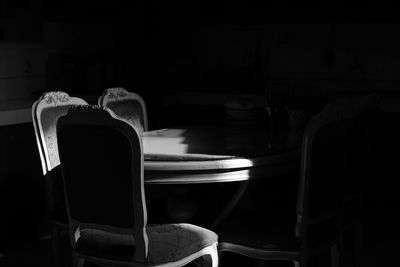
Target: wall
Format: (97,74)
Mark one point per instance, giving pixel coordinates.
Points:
(329,57)
(340,58)
(22,70)
(351,56)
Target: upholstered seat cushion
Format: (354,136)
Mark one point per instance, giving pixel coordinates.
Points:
(167,243)
(107,245)
(171,242)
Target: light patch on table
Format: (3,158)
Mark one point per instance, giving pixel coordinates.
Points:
(162,132)
(173,148)
(164,145)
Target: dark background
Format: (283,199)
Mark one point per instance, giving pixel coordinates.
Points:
(313,51)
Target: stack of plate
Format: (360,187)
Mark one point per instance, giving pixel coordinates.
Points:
(243,112)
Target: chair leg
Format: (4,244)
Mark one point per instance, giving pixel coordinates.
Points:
(77,262)
(55,245)
(232,204)
(219,258)
(351,246)
(335,255)
(358,245)
(213,257)
(209,258)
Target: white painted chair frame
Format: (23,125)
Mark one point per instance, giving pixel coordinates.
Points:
(49,152)
(117,94)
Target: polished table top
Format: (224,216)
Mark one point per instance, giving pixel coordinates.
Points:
(218,153)
(210,154)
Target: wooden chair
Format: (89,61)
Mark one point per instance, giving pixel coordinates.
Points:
(102,164)
(313,229)
(45,113)
(366,121)
(127,105)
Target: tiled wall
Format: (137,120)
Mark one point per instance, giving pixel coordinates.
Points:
(338,57)
(328,57)
(333,57)
(22,70)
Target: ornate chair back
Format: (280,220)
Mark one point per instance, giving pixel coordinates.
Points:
(102,166)
(127,105)
(45,113)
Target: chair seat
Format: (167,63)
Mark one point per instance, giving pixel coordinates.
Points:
(167,243)
(260,233)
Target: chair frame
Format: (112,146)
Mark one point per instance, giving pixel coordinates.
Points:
(299,256)
(368,104)
(138,230)
(116,94)
(49,99)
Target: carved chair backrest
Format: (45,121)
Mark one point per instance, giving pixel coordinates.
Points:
(127,105)
(101,156)
(45,114)
(325,165)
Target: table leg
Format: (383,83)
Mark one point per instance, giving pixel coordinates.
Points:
(227,210)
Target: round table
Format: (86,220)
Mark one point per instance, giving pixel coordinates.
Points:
(220,153)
